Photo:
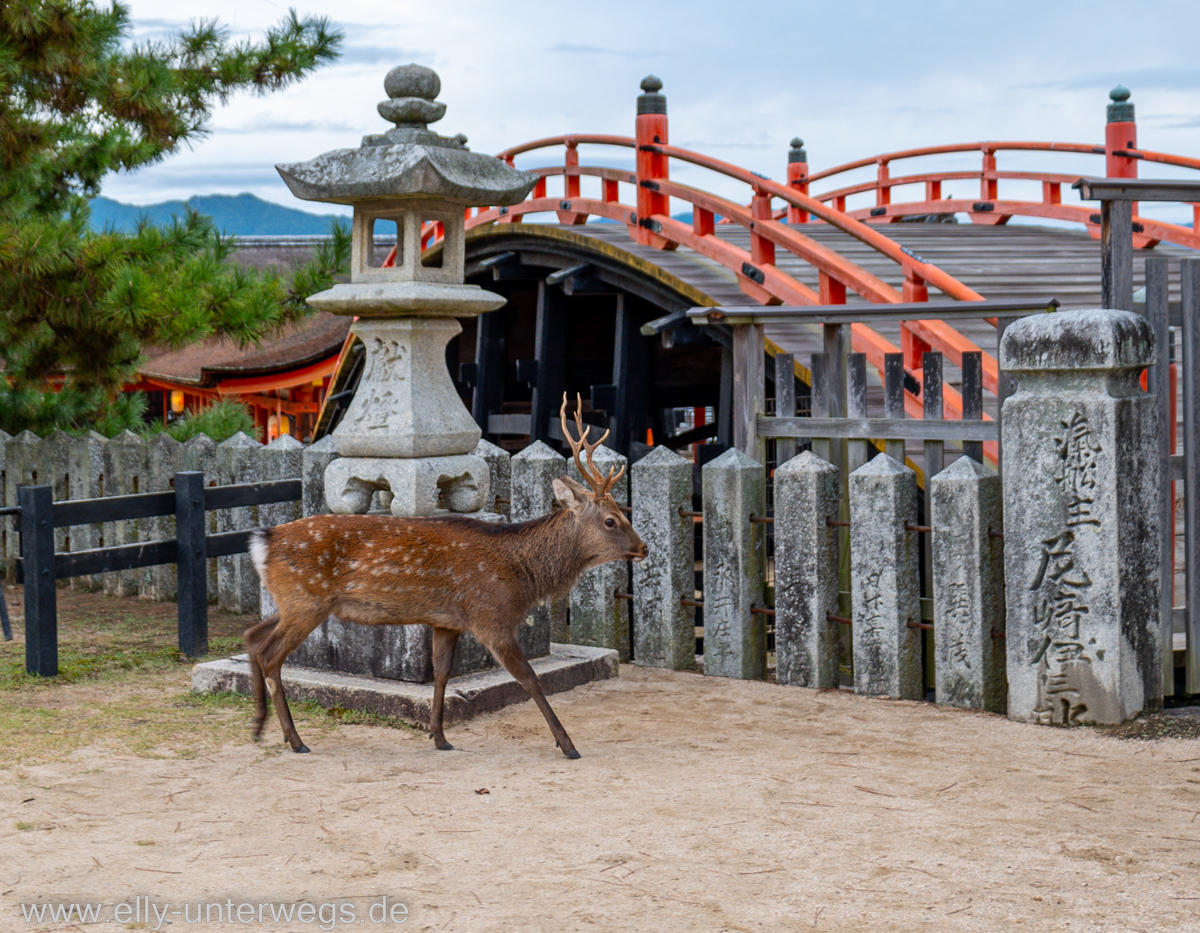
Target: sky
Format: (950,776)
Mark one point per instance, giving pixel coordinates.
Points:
(853,79)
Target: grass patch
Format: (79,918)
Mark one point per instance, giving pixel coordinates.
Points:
(123,684)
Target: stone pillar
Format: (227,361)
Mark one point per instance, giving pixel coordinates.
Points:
(200,454)
(597,617)
(87,471)
(807,497)
(54,470)
(283,458)
(499,475)
(534,470)
(20,469)
(164,458)
(884,580)
(1081,519)
(735,639)
(968,587)
(664,629)
(313,461)
(124,471)
(239,460)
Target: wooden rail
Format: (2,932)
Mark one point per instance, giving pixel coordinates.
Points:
(39,567)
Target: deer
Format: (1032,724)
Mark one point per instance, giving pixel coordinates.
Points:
(453,573)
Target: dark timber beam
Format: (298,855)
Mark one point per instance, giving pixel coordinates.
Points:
(550,343)
(490,359)
(630,376)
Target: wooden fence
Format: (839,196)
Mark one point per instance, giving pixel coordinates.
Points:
(40,567)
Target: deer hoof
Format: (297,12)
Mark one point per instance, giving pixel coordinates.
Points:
(572,754)
(302,750)
(445,747)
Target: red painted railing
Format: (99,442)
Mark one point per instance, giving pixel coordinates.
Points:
(990,207)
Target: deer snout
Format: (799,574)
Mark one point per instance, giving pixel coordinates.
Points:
(639,553)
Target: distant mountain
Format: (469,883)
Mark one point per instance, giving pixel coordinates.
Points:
(236,214)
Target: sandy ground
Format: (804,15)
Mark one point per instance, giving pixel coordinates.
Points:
(699,805)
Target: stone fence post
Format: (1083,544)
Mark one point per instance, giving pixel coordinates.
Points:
(597,617)
(534,470)
(664,629)
(735,639)
(200,455)
(20,468)
(164,458)
(87,473)
(885,580)
(238,461)
(124,473)
(807,496)
(968,587)
(1080,442)
(499,465)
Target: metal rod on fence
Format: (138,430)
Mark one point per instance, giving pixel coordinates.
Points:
(1158,382)
(192,587)
(37,558)
(1189,284)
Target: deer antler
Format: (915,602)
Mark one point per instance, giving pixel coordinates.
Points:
(600,484)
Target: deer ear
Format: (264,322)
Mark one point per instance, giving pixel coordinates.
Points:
(568,494)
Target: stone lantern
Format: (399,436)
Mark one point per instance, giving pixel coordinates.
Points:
(407,432)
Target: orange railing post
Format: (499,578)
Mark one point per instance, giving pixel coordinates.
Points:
(883,194)
(1120,137)
(797,178)
(650,132)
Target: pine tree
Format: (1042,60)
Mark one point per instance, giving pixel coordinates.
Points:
(78,101)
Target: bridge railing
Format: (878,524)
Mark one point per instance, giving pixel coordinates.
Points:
(990,207)
(756,269)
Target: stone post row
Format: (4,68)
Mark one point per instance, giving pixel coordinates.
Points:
(884,580)
(807,494)
(968,587)
(735,639)
(597,617)
(664,628)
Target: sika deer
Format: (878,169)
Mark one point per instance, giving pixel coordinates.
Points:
(455,574)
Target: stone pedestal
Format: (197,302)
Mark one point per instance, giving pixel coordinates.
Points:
(1081,519)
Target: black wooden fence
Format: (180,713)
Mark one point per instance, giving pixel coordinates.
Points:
(39,567)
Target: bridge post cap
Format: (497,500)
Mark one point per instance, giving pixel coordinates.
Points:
(797,153)
(1100,339)
(1120,110)
(651,101)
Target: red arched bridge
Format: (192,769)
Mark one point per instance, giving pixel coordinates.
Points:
(633,250)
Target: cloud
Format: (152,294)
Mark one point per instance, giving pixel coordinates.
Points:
(288,126)
(1158,77)
(570,48)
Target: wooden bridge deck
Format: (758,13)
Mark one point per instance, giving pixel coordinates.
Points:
(1003,263)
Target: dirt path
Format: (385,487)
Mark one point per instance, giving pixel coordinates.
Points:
(699,805)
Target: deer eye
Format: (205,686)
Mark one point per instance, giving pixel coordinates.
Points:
(610,523)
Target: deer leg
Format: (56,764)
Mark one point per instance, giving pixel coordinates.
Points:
(510,655)
(444,642)
(254,637)
(288,635)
